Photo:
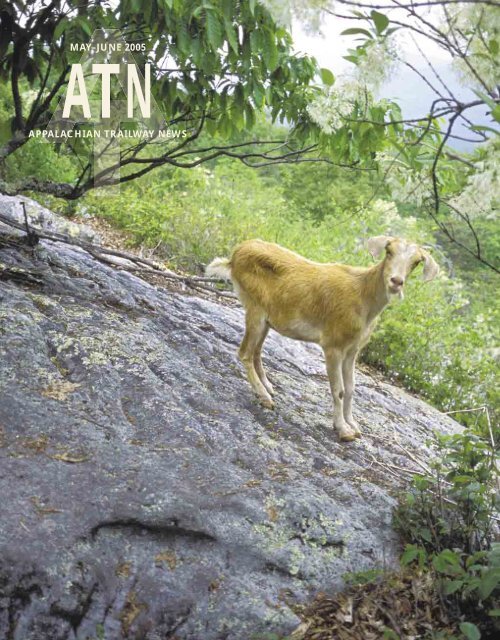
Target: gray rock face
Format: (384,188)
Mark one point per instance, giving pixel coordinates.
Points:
(144,492)
(43,218)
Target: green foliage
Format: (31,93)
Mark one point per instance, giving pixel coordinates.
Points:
(470,631)
(337,196)
(437,343)
(363,577)
(229,59)
(448,521)
(464,474)
(40,159)
(36,158)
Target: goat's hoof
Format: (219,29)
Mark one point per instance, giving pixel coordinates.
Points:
(347,435)
(267,403)
(357,431)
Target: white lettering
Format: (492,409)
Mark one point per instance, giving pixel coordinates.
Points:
(106,70)
(133,82)
(76,76)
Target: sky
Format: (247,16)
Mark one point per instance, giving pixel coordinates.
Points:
(408,90)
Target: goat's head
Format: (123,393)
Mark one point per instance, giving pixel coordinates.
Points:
(401,257)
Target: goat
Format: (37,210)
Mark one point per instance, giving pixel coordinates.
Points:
(333,305)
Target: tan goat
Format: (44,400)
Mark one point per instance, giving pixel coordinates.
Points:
(333,305)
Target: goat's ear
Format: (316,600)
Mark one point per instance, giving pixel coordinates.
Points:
(431,267)
(377,244)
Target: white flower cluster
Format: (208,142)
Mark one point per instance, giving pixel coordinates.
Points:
(330,109)
(309,13)
(475,27)
(387,212)
(480,197)
(405,184)
(390,221)
(377,64)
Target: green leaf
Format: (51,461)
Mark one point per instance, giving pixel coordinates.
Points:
(183,39)
(410,554)
(447,562)
(494,613)
(61,26)
(270,50)
(356,31)
(327,76)
(486,99)
(256,38)
(227,10)
(84,25)
(495,112)
(231,36)
(197,12)
(425,534)
(259,95)
(489,582)
(451,586)
(196,50)
(249,116)
(494,555)
(470,631)
(214,30)
(462,479)
(380,20)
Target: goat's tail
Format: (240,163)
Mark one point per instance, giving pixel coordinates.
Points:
(219,268)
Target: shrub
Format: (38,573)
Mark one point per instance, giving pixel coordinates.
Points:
(448,520)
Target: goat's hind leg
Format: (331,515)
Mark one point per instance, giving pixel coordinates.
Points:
(257,360)
(255,333)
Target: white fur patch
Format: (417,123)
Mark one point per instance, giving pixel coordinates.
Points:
(219,268)
(301,330)
(396,295)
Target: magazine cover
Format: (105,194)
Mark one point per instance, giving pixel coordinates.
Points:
(249,316)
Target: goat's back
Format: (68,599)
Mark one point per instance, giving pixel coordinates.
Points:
(287,285)
(265,259)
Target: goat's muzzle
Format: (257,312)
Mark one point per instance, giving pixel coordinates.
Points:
(396,284)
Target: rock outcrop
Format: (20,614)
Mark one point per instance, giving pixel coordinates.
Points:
(144,493)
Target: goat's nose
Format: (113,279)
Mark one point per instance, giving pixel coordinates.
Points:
(396,280)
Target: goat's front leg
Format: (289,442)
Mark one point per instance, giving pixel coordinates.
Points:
(334,358)
(255,333)
(257,360)
(348,374)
